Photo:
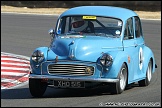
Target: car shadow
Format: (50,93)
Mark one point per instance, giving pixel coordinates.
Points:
(24,93)
(63,93)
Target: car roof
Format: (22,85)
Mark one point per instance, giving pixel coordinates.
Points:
(108,11)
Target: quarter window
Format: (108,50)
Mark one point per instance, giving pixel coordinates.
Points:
(128,33)
(138,29)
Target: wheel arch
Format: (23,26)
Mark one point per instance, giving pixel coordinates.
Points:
(118,62)
(127,72)
(148,55)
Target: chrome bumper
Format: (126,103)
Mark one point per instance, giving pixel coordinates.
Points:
(33,76)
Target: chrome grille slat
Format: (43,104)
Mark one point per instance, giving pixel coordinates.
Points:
(66,70)
(69,69)
(70,66)
(72,74)
(69,72)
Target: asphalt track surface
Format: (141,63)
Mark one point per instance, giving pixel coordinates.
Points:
(21,34)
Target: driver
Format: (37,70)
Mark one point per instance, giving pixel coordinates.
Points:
(80,25)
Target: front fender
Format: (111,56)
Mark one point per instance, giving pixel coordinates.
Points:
(42,49)
(48,55)
(36,66)
(118,59)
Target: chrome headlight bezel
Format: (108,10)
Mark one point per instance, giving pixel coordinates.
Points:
(37,56)
(106,60)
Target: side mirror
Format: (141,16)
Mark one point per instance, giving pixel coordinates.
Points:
(51,32)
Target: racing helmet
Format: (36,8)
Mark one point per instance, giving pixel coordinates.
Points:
(78,24)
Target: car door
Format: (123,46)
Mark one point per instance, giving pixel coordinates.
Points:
(131,49)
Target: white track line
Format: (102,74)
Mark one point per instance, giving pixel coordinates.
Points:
(15,59)
(13,68)
(14,64)
(13,73)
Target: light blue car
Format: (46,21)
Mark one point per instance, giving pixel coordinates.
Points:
(93,46)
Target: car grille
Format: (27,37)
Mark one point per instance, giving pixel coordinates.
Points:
(70,69)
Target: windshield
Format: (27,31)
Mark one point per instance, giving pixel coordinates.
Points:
(89,25)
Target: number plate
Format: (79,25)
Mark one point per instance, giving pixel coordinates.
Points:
(69,84)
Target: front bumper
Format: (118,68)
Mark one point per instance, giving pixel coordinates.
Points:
(33,76)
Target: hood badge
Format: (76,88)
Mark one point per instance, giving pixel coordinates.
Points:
(72,42)
(71,55)
(56,59)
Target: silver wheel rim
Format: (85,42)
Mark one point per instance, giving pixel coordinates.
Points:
(149,73)
(122,79)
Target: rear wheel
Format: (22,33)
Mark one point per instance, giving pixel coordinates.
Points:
(37,87)
(148,78)
(119,87)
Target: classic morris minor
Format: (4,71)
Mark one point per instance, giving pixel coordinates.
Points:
(90,46)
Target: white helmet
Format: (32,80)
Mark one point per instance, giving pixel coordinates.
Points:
(78,24)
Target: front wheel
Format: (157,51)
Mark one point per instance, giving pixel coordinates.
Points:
(148,78)
(119,87)
(37,87)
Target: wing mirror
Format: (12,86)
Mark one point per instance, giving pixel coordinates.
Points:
(51,32)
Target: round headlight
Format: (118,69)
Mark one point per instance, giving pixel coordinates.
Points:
(106,60)
(37,56)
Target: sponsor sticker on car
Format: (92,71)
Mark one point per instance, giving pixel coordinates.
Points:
(89,17)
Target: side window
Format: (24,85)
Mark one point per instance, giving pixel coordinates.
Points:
(63,25)
(129,32)
(138,29)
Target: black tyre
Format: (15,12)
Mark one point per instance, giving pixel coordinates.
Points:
(120,86)
(148,78)
(36,87)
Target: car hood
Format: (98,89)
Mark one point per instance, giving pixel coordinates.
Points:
(87,48)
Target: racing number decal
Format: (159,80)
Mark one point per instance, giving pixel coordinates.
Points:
(140,58)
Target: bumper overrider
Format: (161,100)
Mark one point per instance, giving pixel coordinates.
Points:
(33,76)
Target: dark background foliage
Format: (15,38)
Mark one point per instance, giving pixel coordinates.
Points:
(133,5)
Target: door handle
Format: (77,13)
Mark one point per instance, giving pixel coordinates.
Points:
(136,45)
